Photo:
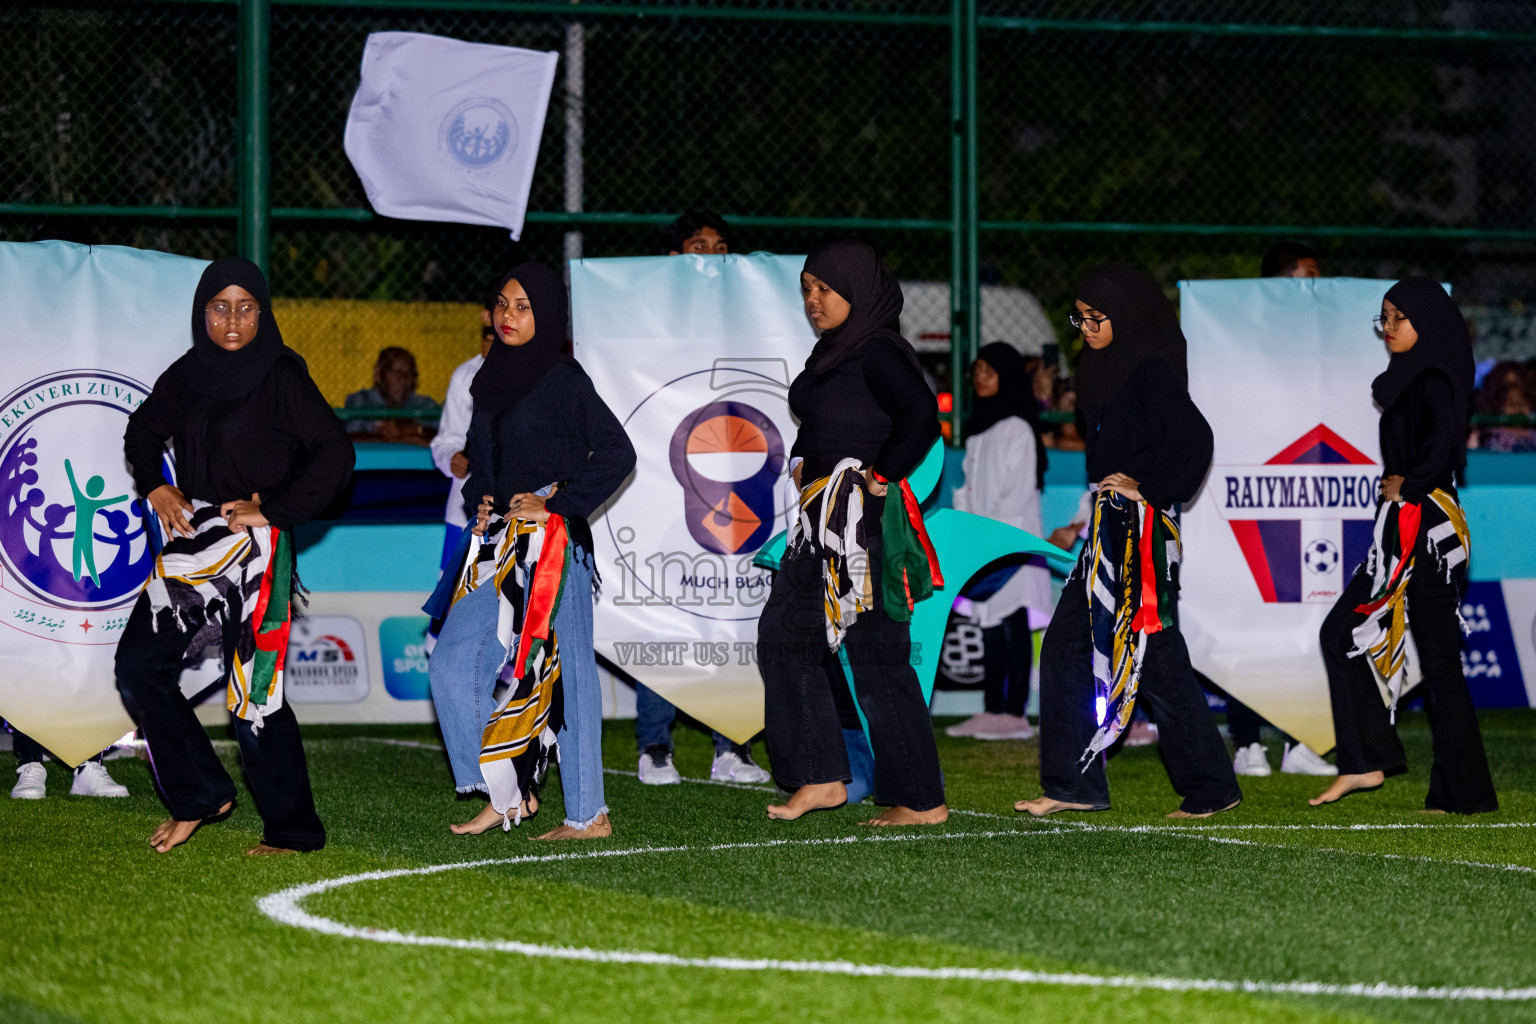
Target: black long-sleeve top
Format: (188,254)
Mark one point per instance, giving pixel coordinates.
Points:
(1153,433)
(874,407)
(280,440)
(1424,437)
(562,433)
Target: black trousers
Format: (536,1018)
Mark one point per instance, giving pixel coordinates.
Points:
(1191,745)
(1459,780)
(804,731)
(192,781)
(1010,653)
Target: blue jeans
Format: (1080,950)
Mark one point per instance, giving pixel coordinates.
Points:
(463,670)
(654,715)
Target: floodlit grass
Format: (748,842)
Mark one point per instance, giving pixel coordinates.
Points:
(100,929)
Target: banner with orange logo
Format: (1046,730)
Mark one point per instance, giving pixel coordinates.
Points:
(694,355)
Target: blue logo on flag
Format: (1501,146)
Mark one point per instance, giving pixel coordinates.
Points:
(479,132)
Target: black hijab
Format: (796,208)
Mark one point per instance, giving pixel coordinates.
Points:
(1443,344)
(510,372)
(1145,327)
(1015,397)
(210,373)
(854,271)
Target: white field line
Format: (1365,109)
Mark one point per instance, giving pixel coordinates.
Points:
(284,907)
(755,787)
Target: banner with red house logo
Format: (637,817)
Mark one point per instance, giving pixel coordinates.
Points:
(1282,369)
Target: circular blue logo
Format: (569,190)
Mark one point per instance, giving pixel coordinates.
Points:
(72,534)
(479,132)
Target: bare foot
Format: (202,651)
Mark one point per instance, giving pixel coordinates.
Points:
(1043,805)
(906,816)
(600,828)
(1203,814)
(819,797)
(1347,784)
(1434,810)
(173,833)
(263,850)
(489,818)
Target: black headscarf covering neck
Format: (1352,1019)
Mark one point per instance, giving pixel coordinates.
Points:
(510,372)
(1145,326)
(1015,397)
(1443,344)
(854,271)
(213,373)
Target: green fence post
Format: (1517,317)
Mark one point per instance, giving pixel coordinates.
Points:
(972,62)
(255,198)
(959,294)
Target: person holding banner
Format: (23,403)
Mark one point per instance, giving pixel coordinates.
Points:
(1412,579)
(544,452)
(258,452)
(856,559)
(1115,635)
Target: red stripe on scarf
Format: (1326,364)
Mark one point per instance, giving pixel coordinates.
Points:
(1147,619)
(275,640)
(542,592)
(1407,536)
(915,517)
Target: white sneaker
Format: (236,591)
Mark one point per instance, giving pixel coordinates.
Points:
(1300,760)
(656,767)
(91,779)
(31,782)
(733,767)
(1251,760)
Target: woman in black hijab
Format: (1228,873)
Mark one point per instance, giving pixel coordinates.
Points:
(1114,636)
(1413,578)
(543,449)
(1004,475)
(867,419)
(257,452)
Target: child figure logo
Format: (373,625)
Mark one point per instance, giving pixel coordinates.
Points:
(478,132)
(728,456)
(77,552)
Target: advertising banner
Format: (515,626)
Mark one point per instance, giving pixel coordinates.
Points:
(694,354)
(86,332)
(1282,369)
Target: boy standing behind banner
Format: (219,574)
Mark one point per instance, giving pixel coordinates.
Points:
(696,233)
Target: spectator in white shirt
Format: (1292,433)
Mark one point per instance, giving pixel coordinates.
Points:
(453,429)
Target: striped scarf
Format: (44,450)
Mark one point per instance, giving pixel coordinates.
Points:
(831,520)
(1384,633)
(526,562)
(231,592)
(1129,565)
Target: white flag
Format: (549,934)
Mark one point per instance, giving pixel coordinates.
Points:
(449,131)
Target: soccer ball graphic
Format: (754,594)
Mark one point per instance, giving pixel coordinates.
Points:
(1321,556)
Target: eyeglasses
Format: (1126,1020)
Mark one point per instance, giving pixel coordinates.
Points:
(1090,324)
(243,311)
(1384,321)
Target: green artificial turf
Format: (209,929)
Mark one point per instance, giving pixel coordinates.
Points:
(100,929)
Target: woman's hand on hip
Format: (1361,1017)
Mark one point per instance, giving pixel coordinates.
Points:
(1392,487)
(873,486)
(531,507)
(1122,485)
(242,515)
(169,504)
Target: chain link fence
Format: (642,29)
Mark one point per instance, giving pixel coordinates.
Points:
(1183,135)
